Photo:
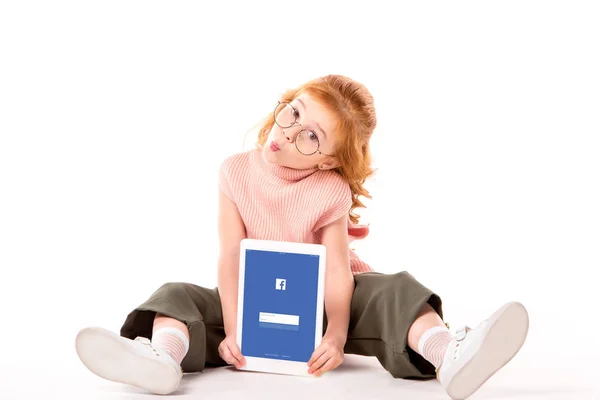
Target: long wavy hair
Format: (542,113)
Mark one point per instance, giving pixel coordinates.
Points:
(354,108)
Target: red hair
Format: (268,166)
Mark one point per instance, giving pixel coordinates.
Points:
(353,106)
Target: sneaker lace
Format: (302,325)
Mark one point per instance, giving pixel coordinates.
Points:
(461,332)
(148,343)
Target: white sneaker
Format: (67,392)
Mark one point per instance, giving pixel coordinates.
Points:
(133,362)
(474,355)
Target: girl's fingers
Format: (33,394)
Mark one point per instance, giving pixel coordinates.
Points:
(330,364)
(319,362)
(226,355)
(319,351)
(237,354)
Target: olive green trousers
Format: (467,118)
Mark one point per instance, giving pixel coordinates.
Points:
(384,306)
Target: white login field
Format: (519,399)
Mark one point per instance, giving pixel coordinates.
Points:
(284,319)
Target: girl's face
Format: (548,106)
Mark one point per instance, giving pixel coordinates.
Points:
(309,142)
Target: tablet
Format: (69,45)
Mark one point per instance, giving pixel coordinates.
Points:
(280,305)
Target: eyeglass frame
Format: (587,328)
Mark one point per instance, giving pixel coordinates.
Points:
(302,130)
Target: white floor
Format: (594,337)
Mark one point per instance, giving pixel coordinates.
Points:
(560,358)
(55,373)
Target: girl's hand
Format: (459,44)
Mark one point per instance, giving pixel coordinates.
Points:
(230,352)
(329,355)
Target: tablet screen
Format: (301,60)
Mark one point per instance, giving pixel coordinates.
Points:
(280,305)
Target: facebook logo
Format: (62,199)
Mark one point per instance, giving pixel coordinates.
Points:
(280,284)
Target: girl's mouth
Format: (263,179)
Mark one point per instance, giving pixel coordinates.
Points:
(274,146)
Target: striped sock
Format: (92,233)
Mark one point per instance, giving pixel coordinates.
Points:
(172,341)
(433,345)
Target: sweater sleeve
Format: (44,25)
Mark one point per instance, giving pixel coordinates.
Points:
(338,202)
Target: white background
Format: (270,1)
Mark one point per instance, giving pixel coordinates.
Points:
(115,116)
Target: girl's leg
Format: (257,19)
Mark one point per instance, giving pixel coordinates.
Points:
(426,320)
(195,317)
(474,357)
(172,336)
(383,309)
(429,336)
(157,364)
(161,321)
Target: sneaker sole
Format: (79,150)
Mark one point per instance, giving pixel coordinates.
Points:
(506,334)
(108,356)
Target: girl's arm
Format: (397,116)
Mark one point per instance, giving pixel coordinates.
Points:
(339,281)
(231,233)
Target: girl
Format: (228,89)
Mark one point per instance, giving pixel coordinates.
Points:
(301,184)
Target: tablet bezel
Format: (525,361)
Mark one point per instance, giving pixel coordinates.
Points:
(273,365)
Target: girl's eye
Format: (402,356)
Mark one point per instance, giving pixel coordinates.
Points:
(312,136)
(296,113)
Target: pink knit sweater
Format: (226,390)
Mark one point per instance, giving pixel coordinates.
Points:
(285,204)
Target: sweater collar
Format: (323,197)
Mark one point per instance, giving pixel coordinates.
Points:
(278,173)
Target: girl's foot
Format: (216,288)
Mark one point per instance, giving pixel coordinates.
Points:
(133,362)
(474,355)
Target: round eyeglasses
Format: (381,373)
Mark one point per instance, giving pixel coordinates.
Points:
(307,141)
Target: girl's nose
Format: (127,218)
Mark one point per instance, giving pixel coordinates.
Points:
(288,136)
